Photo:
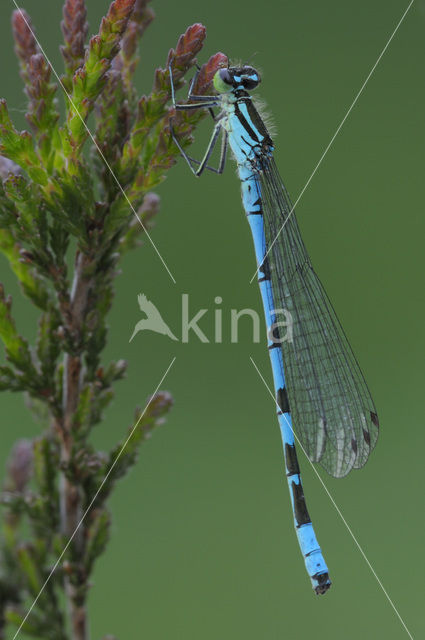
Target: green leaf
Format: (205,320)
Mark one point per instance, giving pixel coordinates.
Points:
(17,349)
(81,420)
(97,537)
(46,469)
(48,347)
(9,381)
(19,147)
(33,626)
(28,563)
(26,199)
(31,283)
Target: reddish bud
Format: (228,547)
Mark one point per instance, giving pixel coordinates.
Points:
(74,28)
(20,465)
(23,32)
(208,71)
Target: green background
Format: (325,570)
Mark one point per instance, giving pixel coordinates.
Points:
(202,541)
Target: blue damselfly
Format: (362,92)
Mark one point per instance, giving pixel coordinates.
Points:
(319,387)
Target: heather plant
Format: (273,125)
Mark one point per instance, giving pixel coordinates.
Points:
(69,195)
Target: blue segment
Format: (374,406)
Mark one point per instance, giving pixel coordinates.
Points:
(251,196)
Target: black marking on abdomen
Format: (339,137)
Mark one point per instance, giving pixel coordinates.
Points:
(282,400)
(366,436)
(324,583)
(354,445)
(291,460)
(265,269)
(273,346)
(276,338)
(300,507)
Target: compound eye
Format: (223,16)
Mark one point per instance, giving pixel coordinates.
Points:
(225,76)
(251,82)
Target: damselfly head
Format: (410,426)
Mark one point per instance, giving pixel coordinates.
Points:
(233,78)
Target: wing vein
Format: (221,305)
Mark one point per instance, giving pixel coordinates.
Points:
(331,406)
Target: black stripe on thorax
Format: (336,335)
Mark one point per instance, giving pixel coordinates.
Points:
(244,98)
(244,122)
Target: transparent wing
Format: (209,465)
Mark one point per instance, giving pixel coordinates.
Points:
(332,410)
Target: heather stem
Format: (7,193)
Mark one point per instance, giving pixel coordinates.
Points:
(70,493)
